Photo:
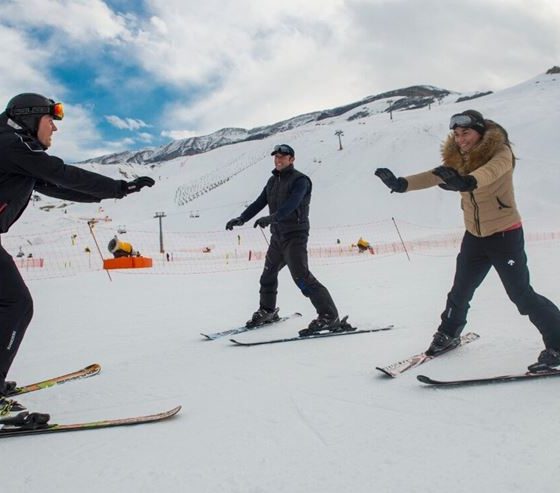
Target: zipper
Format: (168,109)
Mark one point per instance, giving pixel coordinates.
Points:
(476,213)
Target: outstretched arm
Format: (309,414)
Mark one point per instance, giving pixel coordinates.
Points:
(64,193)
(423,180)
(26,157)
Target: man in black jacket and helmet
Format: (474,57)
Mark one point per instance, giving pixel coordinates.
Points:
(288,194)
(26,129)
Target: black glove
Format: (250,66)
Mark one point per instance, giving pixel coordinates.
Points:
(264,221)
(454,181)
(137,184)
(398,185)
(236,221)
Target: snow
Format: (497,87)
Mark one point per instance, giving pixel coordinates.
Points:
(311,416)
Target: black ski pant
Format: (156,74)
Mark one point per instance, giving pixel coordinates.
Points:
(291,250)
(506,253)
(16,311)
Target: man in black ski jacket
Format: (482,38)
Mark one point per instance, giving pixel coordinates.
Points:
(26,129)
(287,194)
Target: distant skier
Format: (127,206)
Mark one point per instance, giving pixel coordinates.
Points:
(478,162)
(287,194)
(26,129)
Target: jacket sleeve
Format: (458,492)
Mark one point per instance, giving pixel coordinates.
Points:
(63,193)
(497,166)
(258,205)
(27,158)
(422,180)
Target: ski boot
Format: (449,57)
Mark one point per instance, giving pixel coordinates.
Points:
(25,421)
(442,343)
(8,406)
(9,389)
(549,359)
(262,317)
(326,323)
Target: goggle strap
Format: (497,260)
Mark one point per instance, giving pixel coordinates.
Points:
(32,110)
(56,110)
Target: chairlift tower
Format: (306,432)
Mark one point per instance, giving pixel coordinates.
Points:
(160,216)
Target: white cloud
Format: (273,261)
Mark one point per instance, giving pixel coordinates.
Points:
(126,123)
(145,137)
(179,134)
(19,68)
(81,20)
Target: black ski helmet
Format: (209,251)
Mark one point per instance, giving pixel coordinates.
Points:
(27,109)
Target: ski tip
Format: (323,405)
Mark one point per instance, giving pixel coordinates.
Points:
(206,337)
(164,414)
(424,379)
(385,372)
(175,410)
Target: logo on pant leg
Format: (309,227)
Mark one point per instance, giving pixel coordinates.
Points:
(511,262)
(12,339)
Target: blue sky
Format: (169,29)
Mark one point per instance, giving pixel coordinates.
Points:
(137,74)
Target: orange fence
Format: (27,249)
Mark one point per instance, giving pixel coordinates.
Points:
(70,251)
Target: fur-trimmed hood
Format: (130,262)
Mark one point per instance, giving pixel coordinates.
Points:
(493,140)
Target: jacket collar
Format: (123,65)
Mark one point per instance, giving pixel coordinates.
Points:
(492,141)
(286,171)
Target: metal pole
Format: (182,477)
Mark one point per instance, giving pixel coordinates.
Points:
(160,215)
(264,236)
(90,224)
(399,233)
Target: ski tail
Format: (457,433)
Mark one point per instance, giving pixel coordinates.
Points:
(238,330)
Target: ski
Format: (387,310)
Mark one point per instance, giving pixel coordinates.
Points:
(9,431)
(488,380)
(396,369)
(305,338)
(244,328)
(88,371)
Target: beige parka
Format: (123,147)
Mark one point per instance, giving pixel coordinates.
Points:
(490,208)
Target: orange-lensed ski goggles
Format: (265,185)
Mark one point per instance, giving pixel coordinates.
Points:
(56,110)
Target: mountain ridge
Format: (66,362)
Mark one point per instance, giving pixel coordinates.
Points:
(412,97)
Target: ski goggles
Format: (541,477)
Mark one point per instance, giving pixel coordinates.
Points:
(461,120)
(283,149)
(56,110)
